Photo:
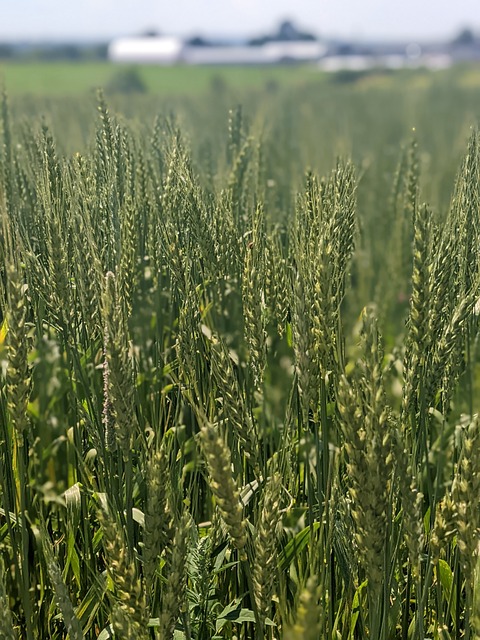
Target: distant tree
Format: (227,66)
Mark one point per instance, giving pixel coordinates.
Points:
(6,51)
(271,86)
(150,33)
(198,41)
(98,52)
(465,38)
(257,42)
(218,84)
(348,76)
(127,80)
(59,52)
(345,49)
(287,32)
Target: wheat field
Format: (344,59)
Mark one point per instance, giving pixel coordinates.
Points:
(239,365)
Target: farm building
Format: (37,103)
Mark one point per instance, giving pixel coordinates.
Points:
(268,53)
(164,50)
(170,50)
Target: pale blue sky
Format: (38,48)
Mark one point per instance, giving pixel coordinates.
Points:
(94,19)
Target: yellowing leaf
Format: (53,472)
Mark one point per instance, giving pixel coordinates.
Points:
(3,332)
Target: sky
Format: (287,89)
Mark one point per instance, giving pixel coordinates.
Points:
(359,19)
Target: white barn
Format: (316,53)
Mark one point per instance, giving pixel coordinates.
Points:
(171,50)
(165,50)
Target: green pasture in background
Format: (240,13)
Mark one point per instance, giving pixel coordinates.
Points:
(59,78)
(70,79)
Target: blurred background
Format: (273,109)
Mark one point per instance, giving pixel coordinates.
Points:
(155,45)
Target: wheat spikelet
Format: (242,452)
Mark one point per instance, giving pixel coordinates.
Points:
(265,544)
(418,339)
(443,286)
(106,196)
(236,133)
(323,316)
(173,592)
(157,518)
(233,402)
(253,296)
(368,445)
(240,195)
(128,255)
(56,206)
(342,228)
(7,154)
(119,372)
(17,340)
(226,244)
(316,272)
(305,365)
(464,213)
(324,240)
(412,179)
(444,526)
(308,615)
(187,342)
(222,484)
(88,274)
(446,363)
(465,488)
(278,279)
(173,248)
(106,138)
(411,500)
(129,614)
